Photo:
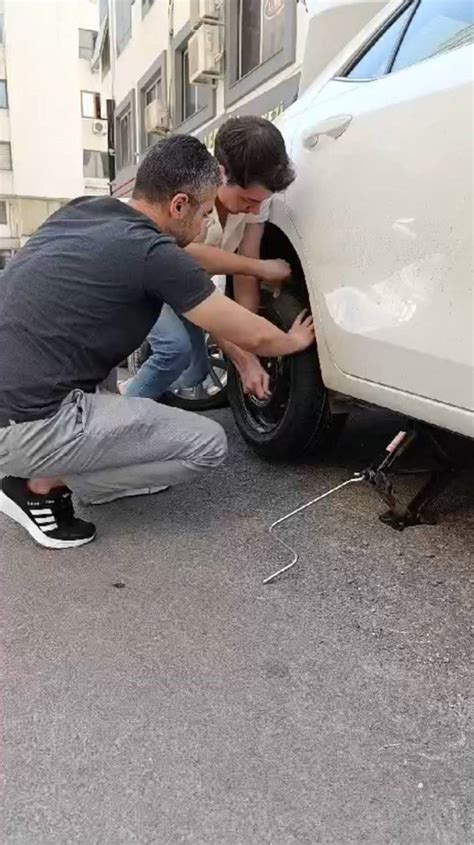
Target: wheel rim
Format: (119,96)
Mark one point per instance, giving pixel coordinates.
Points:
(213,385)
(265,415)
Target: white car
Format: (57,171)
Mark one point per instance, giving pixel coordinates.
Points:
(378,225)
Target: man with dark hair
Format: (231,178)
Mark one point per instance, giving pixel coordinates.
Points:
(254,165)
(78,298)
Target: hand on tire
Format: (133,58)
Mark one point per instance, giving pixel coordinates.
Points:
(302,331)
(255,380)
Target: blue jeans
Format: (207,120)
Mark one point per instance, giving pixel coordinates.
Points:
(178,358)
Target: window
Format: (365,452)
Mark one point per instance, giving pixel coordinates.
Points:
(3,94)
(125,140)
(150,95)
(193,96)
(377,60)
(87,39)
(105,55)
(123,23)
(3,213)
(437,26)
(151,87)
(95,164)
(193,105)
(5,155)
(125,133)
(260,32)
(90,104)
(260,41)
(425,29)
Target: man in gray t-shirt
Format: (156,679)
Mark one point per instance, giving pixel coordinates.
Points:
(81,295)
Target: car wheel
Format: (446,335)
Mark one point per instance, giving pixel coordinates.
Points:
(210,395)
(296,419)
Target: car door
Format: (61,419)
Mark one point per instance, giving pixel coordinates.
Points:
(383,205)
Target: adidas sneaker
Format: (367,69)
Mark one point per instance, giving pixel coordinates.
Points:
(48,518)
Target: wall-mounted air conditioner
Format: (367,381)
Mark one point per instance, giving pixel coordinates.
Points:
(204,11)
(156,117)
(205,53)
(99,127)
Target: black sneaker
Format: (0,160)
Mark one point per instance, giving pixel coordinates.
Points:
(48,518)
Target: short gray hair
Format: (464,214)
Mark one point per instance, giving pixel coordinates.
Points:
(175,164)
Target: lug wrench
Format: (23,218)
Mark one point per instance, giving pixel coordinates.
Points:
(357,478)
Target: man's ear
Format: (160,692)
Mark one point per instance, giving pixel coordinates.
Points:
(179,206)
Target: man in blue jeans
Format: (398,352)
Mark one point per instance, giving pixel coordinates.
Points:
(254,165)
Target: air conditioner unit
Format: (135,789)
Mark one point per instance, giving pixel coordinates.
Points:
(156,117)
(99,127)
(204,11)
(205,53)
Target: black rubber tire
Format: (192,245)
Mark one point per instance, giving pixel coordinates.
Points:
(307,423)
(220,400)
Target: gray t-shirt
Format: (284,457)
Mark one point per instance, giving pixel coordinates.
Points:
(80,296)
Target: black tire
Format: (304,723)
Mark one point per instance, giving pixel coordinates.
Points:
(212,403)
(303,421)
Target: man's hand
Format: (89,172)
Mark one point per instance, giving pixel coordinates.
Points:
(275,271)
(302,331)
(238,328)
(255,380)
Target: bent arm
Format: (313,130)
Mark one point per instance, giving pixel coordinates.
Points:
(225,319)
(218,262)
(247,290)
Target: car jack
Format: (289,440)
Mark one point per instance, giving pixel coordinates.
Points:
(399,516)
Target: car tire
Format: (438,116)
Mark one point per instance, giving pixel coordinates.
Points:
(301,422)
(213,403)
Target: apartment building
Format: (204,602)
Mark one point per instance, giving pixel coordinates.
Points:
(53,128)
(183,65)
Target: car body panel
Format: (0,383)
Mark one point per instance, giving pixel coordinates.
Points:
(381,219)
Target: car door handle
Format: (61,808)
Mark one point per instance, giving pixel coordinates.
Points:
(333,127)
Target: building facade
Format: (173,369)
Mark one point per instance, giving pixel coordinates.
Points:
(53,128)
(145,56)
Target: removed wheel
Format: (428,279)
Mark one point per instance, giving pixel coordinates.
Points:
(296,419)
(210,395)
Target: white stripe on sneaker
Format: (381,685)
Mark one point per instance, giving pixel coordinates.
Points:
(51,527)
(41,519)
(41,511)
(11,509)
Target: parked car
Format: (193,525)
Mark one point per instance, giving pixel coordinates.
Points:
(378,227)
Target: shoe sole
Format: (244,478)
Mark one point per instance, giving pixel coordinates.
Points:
(11,509)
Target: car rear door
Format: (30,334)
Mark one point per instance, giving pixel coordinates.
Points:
(383,203)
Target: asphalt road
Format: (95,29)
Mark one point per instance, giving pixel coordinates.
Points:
(195,705)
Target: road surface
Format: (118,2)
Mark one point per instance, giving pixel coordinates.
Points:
(195,705)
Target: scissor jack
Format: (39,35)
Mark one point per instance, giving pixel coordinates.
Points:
(399,515)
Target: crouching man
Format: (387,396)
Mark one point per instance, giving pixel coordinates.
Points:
(77,299)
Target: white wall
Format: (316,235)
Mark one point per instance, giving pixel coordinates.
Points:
(46,32)
(45,77)
(149,39)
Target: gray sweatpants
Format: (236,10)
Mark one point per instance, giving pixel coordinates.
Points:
(104,446)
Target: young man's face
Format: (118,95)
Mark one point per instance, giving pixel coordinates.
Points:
(237,200)
(189,218)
